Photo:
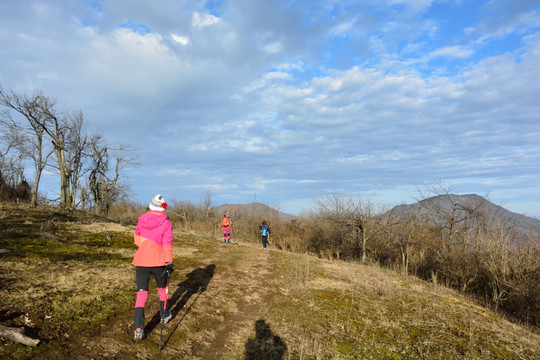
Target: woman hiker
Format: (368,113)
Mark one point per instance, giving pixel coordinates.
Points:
(265,234)
(154,257)
(226,226)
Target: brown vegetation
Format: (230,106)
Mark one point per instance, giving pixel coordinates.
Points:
(463,245)
(67,281)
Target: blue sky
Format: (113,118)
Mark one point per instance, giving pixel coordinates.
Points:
(285,102)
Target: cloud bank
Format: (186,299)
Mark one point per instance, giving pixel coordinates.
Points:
(283,102)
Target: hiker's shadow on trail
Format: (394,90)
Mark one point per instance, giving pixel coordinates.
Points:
(266,345)
(196,283)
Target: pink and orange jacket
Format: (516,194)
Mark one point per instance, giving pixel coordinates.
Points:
(154,237)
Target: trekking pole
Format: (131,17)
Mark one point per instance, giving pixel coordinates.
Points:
(163,313)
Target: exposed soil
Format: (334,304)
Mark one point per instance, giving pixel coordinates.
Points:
(196,293)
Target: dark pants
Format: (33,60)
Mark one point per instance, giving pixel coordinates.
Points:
(143,275)
(264,240)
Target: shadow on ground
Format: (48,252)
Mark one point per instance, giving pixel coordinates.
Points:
(266,345)
(196,283)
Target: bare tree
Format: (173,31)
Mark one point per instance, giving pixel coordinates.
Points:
(206,203)
(524,279)
(493,256)
(12,182)
(56,127)
(356,215)
(11,175)
(457,218)
(450,211)
(104,180)
(27,138)
(404,229)
(70,143)
(77,144)
(69,139)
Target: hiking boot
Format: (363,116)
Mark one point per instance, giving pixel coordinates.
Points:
(139,334)
(167,315)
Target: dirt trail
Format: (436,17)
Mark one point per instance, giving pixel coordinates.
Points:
(251,280)
(215,304)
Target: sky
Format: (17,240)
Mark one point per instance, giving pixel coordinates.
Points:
(286,102)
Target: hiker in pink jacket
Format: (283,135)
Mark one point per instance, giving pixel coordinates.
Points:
(154,237)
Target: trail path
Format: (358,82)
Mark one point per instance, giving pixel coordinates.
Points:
(216,303)
(250,279)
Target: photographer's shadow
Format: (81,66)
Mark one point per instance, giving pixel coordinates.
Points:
(266,345)
(196,283)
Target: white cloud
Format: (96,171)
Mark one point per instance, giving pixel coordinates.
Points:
(264,93)
(182,40)
(298,93)
(297,65)
(456,51)
(342,29)
(273,75)
(204,20)
(273,47)
(131,62)
(469,30)
(416,5)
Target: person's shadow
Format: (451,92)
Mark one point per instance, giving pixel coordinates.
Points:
(196,283)
(266,345)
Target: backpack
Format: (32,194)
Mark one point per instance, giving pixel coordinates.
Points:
(225,222)
(264,230)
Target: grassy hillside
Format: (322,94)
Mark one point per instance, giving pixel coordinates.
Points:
(68,281)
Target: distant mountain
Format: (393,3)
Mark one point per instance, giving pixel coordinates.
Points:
(437,208)
(252,209)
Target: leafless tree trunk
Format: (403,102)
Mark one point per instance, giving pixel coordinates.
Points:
(207,204)
(71,145)
(457,217)
(29,139)
(69,139)
(494,259)
(103,184)
(17,334)
(355,214)
(11,174)
(404,228)
(56,128)
(77,145)
(450,210)
(524,279)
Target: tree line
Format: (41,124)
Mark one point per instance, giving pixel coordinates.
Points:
(461,243)
(34,128)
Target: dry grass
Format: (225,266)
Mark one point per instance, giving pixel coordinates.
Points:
(70,284)
(352,311)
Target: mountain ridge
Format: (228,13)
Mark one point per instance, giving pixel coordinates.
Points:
(254,208)
(432,209)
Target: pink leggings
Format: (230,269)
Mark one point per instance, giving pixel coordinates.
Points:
(227,233)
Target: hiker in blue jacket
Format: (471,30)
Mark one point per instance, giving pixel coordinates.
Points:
(265,233)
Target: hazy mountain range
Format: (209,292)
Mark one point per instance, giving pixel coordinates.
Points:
(253,209)
(432,209)
(436,208)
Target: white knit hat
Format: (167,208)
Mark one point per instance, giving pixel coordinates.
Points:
(158,203)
